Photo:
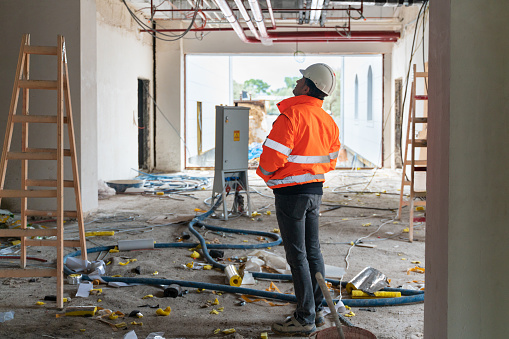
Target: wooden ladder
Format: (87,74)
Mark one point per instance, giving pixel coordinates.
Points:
(44,188)
(415,165)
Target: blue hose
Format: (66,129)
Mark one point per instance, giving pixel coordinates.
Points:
(408,296)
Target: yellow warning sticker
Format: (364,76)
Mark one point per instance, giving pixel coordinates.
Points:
(236,135)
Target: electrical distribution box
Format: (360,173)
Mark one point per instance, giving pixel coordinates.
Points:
(232,150)
(232,138)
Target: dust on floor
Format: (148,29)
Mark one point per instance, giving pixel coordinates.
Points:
(361,215)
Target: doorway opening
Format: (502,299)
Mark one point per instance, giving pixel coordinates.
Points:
(143,123)
(213,80)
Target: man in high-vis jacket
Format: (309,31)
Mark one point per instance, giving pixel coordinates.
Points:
(302,146)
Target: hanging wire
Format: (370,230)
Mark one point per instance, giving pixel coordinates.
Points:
(155,33)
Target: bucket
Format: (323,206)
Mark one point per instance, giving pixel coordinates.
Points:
(350,332)
(121,185)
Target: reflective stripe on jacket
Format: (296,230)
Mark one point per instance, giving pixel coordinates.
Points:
(302,146)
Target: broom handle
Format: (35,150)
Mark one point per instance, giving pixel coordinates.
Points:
(326,294)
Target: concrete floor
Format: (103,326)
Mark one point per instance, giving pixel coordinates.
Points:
(127,214)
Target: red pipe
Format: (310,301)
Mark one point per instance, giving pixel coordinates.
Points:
(366,35)
(271,14)
(313,36)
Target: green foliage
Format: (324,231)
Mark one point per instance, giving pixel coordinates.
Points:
(291,81)
(237,90)
(332,104)
(256,86)
(251,86)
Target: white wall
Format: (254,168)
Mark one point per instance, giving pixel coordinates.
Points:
(44,21)
(361,135)
(169,121)
(467,235)
(207,81)
(401,56)
(125,55)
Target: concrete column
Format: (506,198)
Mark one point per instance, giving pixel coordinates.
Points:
(169,118)
(467,234)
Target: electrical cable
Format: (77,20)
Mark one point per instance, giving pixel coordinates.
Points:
(336,206)
(423,47)
(164,116)
(154,32)
(409,296)
(359,239)
(406,81)
(409,66)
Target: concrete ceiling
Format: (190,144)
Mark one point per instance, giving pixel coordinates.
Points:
(316,20)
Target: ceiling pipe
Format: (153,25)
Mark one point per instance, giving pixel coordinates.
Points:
(315,15)
(324,13)
(247,18)
(228,14)
(258,16)
(193,5)
(271,13)
(209,6)
(301,13)
(313,36)
(333,35)
(308,13)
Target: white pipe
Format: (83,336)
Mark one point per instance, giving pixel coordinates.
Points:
(209,6)
(247,18)
(271,13)
(258,16)
(313,13)
(228,14)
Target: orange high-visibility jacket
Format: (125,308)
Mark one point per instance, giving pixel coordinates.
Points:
(302,146)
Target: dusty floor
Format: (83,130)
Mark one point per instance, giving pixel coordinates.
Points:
(393,255)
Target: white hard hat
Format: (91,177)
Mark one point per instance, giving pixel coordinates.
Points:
(322,76)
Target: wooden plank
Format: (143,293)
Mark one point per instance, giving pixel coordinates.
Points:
(48,183)
(421,74)
(60,171)
(421,143)
(28,194)
(38,84)
(67,152)
(24,162)
(416,162)
(418,142)
(74,162)
(12,111)
(18,232)
(31,155)
(28,272)
(41,50)
(67,243)
(421,120)
(365,245)
(41,119)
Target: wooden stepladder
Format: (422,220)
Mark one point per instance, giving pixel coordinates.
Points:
(46,188)
(417,164)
